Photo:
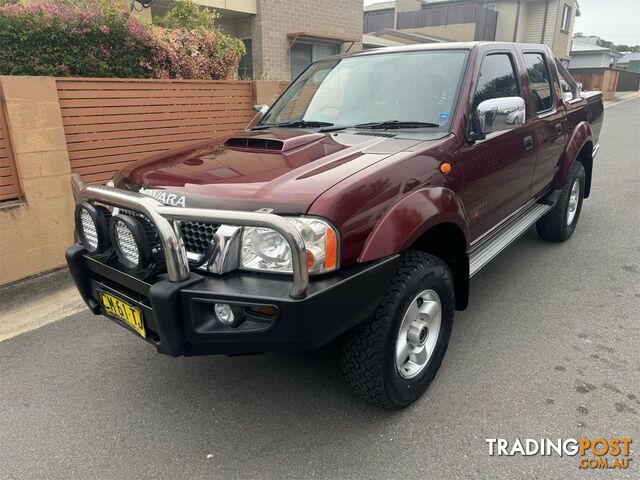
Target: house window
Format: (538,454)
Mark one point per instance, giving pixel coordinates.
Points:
(490,6)
(245,68)
(566,18)
(304,53)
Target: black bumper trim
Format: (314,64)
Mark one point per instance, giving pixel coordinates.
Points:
(175,311)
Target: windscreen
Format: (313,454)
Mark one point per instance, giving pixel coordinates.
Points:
(416,86)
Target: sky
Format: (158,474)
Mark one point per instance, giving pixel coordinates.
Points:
(617,21)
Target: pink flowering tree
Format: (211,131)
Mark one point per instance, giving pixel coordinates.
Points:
(99,39)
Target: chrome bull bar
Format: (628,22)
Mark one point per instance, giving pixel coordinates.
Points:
(165,219)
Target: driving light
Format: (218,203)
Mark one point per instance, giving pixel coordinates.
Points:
(130,242)
(264,249)
(92,229)
(224,314)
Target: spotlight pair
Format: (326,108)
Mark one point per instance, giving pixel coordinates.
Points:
(98,231)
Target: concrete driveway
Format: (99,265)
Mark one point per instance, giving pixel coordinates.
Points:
(549,348)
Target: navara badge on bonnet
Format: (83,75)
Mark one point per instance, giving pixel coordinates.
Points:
(167,198)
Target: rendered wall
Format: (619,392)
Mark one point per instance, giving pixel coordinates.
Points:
(36,230)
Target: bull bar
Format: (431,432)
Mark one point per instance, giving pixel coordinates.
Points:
(165,219)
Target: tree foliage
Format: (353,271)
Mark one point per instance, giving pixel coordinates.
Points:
(99,39)
(186,15)
(607,44)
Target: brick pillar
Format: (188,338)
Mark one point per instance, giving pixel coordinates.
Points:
(36,231)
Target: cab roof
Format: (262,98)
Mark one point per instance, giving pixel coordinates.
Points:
(443,46)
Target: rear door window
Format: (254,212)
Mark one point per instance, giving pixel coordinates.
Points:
(539,81)
(497,79)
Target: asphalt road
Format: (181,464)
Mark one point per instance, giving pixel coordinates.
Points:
(550,347)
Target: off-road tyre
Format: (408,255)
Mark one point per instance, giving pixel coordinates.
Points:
(554,226)
(368,351)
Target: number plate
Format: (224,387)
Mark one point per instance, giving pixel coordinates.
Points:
(114,307)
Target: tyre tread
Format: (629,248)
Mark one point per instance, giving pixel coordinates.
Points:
(552,227)
(363,348)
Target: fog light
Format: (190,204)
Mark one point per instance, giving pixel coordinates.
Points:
(224,314)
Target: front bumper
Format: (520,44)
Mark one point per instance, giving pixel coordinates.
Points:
(177,315)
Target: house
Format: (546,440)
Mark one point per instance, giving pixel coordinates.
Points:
(405,37)
(530,21)
(370,42)
(451,20)
(630,61)
(282,37)
(592,56)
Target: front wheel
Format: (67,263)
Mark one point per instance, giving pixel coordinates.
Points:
(392,358)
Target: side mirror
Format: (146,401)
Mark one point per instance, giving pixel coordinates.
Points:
(497,115)
(261,108)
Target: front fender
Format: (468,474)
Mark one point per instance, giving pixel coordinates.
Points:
(581,135)
(408,219)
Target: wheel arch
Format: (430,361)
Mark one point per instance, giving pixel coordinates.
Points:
(579,148)
(585,156)
(431,220)
(447,241)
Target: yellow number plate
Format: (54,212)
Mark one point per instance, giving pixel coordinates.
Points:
(130,315)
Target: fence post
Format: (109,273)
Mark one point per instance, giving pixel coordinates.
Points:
(265,91)
(35,231)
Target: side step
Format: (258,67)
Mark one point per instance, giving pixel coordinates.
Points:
(488,248)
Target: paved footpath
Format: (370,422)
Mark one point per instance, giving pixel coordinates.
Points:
(550,347)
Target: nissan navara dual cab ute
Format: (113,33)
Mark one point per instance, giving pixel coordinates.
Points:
(357,207)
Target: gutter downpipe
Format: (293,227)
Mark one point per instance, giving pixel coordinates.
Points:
(544,23)
(515,28)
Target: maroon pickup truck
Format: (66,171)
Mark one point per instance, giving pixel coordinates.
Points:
(357,207)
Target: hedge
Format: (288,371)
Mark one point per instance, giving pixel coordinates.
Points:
(64,39)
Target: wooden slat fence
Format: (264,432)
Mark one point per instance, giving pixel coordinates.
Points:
(602,79)
(111,122)
(9,182)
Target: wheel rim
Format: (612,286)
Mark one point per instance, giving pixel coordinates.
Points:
(574,199)
(418,335)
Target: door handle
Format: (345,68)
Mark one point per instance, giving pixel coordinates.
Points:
(528,143)
(559,128)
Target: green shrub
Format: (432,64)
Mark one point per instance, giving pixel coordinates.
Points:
(64,39)
(186,15)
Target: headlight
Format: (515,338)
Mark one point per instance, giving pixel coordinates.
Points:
(264,249)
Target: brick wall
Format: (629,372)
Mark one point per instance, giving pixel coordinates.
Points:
(277,18)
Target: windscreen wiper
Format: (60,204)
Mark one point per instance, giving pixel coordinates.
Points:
(296,124)
(391,124)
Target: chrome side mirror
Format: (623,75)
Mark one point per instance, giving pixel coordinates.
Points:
(498,114)
(261,108)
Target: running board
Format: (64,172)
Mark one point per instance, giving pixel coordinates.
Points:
(489,248)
